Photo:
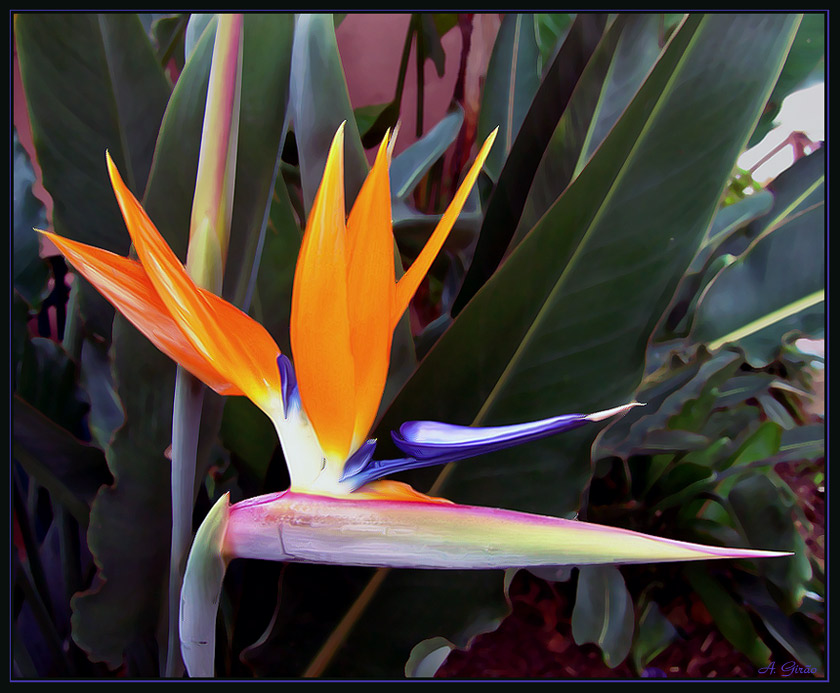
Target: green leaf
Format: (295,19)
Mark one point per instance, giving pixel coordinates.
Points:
(603,613)
(263,120)
(71,470)
(168,32)
(412,164)
(803,443)
(665,397)
(789,630)
(612,77)
(764,513)
(779,280)
(656,633)
(96,377)
(272,297)
(130,520)
(47,378)
(730,617)
(760,445)
(248,433)
(730,225)
(551,29)
(505,205)
(92,83)
(317,112)
(511,82)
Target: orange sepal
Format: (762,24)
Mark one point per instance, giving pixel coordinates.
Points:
(407,286)
(319,323)
(238,347)
(390,490)
(370,288)
(126,285)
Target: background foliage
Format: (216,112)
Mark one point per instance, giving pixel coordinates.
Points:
(607,255)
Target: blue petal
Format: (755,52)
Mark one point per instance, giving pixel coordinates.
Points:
(288,384)
(359,459)
(430,443)
(437,443)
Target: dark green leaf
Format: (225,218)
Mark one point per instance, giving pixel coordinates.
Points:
(318,112)
(612,77)
(665,395)
(412,164)
(71,470)
(803,443)
(779,281)
(789,630)
(96,377)
(272,298)
(603,612)
(730,617)
(551,30)
(509,195)
(655,634)
(576,302)
(48,380)
(248,433)
(509,88)
(764,513)
(266,63)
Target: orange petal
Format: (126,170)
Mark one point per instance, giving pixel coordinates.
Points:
(370,288)
(320,326)
(238,348)
(409,282)
(125,284)
(388,489)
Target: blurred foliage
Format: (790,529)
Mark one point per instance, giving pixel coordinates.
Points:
(608,254)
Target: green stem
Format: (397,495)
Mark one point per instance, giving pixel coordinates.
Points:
(186,420)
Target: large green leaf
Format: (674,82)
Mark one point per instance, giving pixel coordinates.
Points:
(509,194)
(563,325)
(319,104)
(778,283)
(92,83)
(511,82)
(617,69)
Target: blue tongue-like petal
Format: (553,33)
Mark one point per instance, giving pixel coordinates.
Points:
(437,443)
(430,443)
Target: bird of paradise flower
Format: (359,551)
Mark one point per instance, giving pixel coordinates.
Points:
(346,303)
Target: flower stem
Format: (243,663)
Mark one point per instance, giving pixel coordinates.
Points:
(186,420)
